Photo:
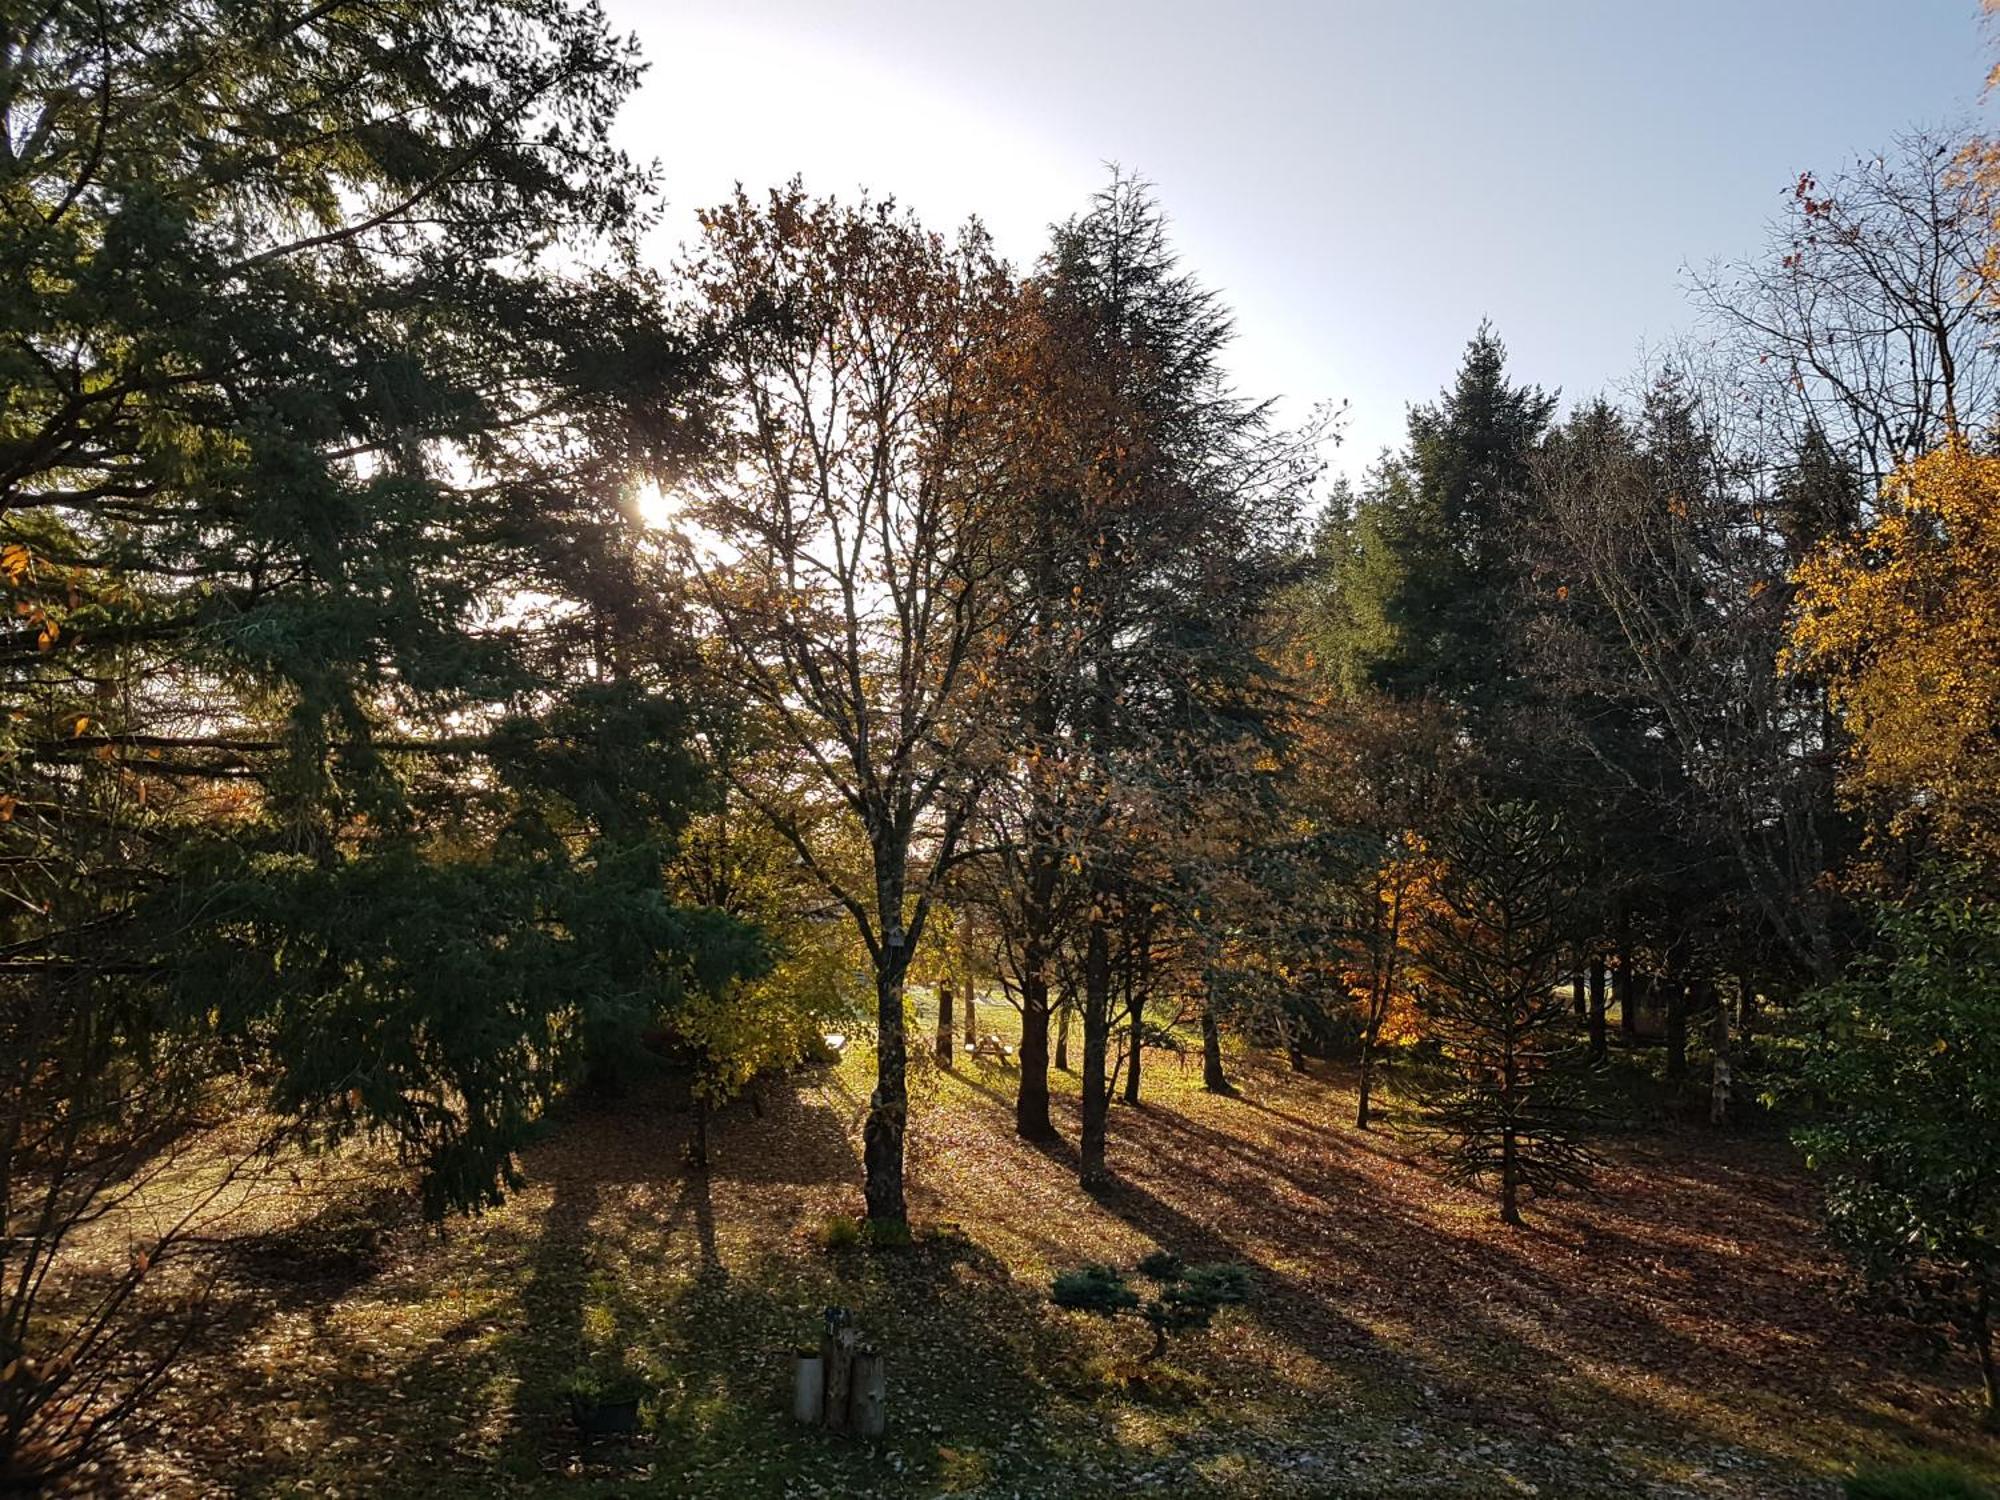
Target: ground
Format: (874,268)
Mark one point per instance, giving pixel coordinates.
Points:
(1680,1334)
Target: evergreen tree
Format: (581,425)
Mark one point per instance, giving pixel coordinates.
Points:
(1148,515)
(1492,945)
(319,774)
(1429,567)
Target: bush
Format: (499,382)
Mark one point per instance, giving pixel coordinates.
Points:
(1924,1481)
(1189,1296)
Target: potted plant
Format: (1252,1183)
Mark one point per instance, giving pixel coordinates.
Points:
(604,1404)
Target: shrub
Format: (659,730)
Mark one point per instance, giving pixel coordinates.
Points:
(1189,1296)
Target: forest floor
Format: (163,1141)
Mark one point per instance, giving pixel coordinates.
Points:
(1679,1334)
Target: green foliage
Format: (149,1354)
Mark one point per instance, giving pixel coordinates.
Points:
(1936,1480)
(330,783)
(1094,1288)
(1423,565)
(1189,1296)
(1902,1060)
(1162,1265)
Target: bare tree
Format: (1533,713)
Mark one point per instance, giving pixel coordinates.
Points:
(835,537)
(1868,316)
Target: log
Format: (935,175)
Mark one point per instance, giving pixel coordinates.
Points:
(871,1393)
(808,1388)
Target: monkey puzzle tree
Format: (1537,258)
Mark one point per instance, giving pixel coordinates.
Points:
(1492,944)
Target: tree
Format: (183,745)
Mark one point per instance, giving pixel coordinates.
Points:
(1869,318)
(1666,568)
(1430,557)
(309,477)
(1902,623)
(1492,949)
(839,539)
(1903,1059)
(1147,509)
(1188,1298)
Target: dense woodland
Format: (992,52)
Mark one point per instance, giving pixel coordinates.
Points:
(377,770)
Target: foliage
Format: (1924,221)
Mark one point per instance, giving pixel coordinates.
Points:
(1491,950)
(1188,1298)
(1903,624)
(1903,1057)
(843,563)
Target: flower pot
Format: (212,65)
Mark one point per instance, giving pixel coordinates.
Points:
(808,1386)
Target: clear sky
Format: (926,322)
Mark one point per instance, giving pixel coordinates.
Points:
(1363,181)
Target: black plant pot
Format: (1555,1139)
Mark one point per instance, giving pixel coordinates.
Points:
(604,1418)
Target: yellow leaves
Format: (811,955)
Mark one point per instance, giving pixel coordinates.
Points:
(8,802)
(1903,628)
(16,563)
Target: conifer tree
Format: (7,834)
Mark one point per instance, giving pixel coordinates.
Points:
(1492,944)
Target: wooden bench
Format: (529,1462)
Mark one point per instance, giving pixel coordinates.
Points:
(991,1046)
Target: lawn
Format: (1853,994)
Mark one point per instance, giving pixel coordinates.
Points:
(1681,1333)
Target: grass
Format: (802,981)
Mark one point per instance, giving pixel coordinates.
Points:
(1679,1334)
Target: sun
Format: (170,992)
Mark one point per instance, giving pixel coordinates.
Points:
(654,507)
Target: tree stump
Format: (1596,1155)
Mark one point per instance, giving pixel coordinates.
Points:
(871,1392)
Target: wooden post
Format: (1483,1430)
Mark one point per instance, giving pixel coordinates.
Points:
(871,1393)
(840,1378)
(1721,1082)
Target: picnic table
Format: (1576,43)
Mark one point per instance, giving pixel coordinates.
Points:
(991,1046)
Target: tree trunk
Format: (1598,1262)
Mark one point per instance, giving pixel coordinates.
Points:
(698,1145)
(946,1052)
(1599,1050)
(1031,1101)
(1628,983)
(1294,1053)
(1212,1077)
(1064,1012)
(1576,994)
(889,1106)
(1138,1010)
(1510,1179)
(1982,1338)
(836,1347)
(1677,1030)
(1096,1046)
(1720,1080)
(1367,1089)
(1746,1010)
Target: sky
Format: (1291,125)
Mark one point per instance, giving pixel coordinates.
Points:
(1363,182)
